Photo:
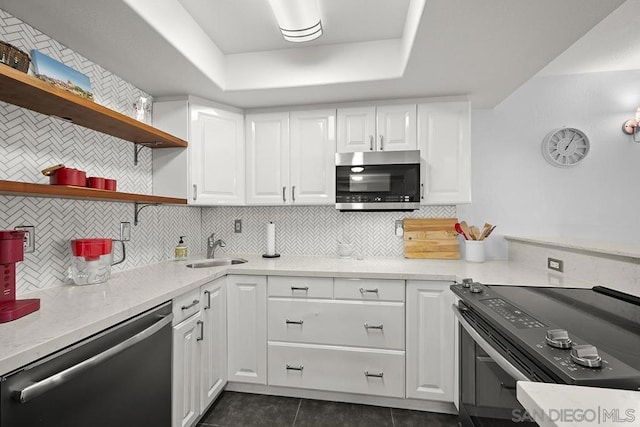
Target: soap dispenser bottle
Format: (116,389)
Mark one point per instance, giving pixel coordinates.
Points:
(181,250)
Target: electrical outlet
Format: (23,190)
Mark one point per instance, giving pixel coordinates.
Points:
(125,231)
(399,228)
(237,226)
(29,238)
(555,264)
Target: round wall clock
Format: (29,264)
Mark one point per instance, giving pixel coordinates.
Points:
(565,147)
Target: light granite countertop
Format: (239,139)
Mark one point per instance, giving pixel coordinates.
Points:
(71,313)
(560,405)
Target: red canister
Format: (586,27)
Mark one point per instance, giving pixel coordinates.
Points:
(68,176)
(110,184)
(96,182)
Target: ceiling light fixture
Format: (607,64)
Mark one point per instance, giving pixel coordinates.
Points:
(299,20)
(632,126)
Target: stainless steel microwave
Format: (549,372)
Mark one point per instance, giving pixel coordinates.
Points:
(378,181)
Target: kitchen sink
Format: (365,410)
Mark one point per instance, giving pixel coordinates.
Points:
(217,262)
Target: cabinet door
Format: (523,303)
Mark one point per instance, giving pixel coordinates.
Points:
(213,376)
(396,126)
(312,160)
(445,148)
(429,343)
(247,328)
(170,165)
(186,371)
(356,129)
(267,138)
(217,156)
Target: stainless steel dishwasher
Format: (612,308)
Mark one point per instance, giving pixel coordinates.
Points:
(118,377)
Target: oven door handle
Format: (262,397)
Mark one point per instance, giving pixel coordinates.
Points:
(62,377)
(493,353)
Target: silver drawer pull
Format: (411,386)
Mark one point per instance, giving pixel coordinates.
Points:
(368,326)
(295,368)
(294,322)
(368,291)
(378,375)
(201,323)
(299,288)
(193,304)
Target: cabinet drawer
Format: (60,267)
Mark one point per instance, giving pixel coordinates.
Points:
(337,322)
(369,289)
(337,369)
(186,305)
(300,287)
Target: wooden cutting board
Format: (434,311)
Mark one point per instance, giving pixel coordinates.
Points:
(433,238)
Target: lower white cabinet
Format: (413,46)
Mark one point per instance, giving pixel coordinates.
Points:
(247,328)
(199,351)
(347,341)
(430,341)
(186,371)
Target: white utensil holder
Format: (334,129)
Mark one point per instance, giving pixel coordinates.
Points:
(474,250)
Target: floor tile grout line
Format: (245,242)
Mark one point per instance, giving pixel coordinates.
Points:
(297,411)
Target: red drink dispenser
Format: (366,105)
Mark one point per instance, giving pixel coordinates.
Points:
(12,251)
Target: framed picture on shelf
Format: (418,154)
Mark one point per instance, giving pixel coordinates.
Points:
(61,76)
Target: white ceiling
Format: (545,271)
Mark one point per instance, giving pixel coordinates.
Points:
(371,49)
(234,30)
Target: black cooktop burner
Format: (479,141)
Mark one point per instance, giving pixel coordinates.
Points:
(524,314)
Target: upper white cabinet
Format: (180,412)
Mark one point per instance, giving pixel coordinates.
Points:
(211,171)
(445,147)
(382,128)
(290,158)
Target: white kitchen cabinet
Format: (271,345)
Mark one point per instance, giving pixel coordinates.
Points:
(382,128)
(290,158)
(212,169)
(213,372)
(349,340)
(186,371)
(430,341)
(247,328)
(445,149)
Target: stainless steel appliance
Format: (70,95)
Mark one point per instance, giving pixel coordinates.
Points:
(118,377)
(585,337)
(386,180)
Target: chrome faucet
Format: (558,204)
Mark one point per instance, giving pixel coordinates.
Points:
(212,244)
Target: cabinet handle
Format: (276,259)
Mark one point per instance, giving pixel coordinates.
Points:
(201,323)
(294,322)
(293,193)
(422,191)
(193,304)
(195,191)
(295,368)
(370,142)
(208,294)
(506,387)
(368,326)
(381,142)
(284,194)
(371,291)
(299,288)
(378,375)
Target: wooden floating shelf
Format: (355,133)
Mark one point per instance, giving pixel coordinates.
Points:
(14,188)
(30,92)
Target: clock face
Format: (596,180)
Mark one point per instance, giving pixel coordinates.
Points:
(565,147)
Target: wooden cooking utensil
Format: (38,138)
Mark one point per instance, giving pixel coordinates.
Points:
(51,169)
(475,232)
(466,229)
(485,231)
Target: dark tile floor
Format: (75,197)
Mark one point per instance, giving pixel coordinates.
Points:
(247,410)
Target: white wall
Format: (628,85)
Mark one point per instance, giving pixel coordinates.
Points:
(515,188)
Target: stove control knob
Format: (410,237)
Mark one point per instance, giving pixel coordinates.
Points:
(558,338)
(466,283)
(586,355)
(476,288)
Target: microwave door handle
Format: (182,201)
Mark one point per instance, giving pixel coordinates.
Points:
(497,357)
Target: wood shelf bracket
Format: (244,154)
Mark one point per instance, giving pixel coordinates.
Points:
(137,207)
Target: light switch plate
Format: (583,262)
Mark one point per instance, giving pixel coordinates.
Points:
(125,231)
(237,226)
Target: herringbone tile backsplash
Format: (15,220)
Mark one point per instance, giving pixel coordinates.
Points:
(30,142)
